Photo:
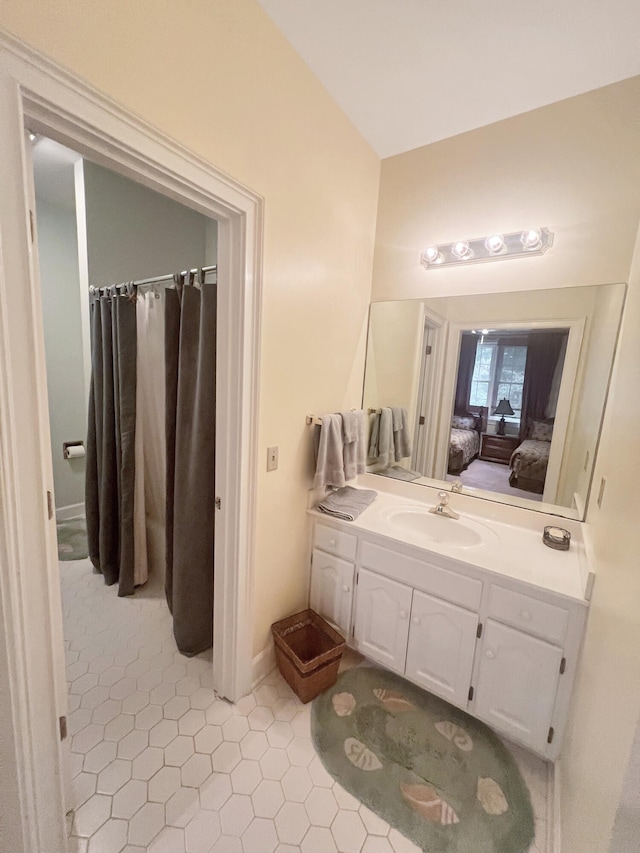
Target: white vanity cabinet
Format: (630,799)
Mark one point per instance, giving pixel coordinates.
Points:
(381,621)
(442,644)
(516,684)
(333,576)
(502,649)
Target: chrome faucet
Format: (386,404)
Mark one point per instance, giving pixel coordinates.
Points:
(443,508)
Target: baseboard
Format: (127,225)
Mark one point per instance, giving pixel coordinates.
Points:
(554,829)
(64,513)
(262,665)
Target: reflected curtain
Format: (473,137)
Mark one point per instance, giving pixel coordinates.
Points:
(150,480)
(543,351)
(190,361)
(466,364)
(110,469)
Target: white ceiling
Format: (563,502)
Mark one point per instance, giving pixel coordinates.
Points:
(411,72)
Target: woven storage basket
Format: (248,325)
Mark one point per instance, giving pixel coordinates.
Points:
(308,653)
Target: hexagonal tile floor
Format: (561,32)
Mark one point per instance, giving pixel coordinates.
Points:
(160,764)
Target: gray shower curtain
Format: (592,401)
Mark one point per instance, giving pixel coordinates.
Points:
(190,361)
(110,469)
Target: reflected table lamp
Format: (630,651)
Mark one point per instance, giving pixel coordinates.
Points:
(503,408)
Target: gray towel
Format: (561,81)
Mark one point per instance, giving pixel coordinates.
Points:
(355,453)
(374,434)
(396,472)
(329,453)
(386,449)
(401,437)
(347,503)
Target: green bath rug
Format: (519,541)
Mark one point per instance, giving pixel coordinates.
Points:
(72,539)
(437,775)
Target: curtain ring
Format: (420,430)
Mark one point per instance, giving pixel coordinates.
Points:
(201,277)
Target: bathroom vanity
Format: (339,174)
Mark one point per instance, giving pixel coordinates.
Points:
(476,610)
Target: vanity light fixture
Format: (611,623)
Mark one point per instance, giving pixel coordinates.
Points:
(494,247)
(433,255)
(462,250)
(495,244)
(531,239)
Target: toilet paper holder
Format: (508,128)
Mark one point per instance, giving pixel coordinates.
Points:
(73,449)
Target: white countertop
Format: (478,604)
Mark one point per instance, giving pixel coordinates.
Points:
(515,550)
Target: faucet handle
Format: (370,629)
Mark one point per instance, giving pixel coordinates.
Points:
(457,486)
(444,498)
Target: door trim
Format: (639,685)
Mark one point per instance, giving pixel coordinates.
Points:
(37,93)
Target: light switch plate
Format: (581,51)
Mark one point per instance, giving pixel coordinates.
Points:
(272,458)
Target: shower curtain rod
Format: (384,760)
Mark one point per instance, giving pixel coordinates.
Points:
(155,279)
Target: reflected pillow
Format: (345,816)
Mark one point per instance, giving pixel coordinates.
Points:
(541,431)
(460,422)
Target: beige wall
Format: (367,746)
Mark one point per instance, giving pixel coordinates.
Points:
(221,79)
(393,356)
(596,357)
(571,166)
(607,698)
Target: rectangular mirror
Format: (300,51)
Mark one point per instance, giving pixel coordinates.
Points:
(504,392)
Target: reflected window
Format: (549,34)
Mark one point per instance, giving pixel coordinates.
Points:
(498,373)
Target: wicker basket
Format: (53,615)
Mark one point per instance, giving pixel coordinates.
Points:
(308,653)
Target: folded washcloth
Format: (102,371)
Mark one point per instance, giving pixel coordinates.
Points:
(347,503)
(355,452)
(401,437)
(399,473)
(328,446)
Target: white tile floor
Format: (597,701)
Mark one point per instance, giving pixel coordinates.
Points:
(160,764)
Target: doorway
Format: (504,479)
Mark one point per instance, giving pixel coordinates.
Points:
(35,93)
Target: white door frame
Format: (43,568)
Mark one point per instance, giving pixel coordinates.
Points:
(36,92)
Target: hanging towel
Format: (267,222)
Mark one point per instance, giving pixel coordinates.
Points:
(347,503)
(354,453)
(401,437)
(329,446)
(374,435)
(386,449)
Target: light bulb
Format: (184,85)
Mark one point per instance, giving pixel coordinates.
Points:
(432,254)
(461,250)
(532,238)
(494,243)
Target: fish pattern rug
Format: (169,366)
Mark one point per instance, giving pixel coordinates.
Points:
(72,539)
(440,777)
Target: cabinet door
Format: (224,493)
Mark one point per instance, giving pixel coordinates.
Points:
(517,681)
(442,642)
(382,619)
(332,589)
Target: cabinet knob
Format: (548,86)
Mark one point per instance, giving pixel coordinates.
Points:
(525,616)
(346,588)
(332,541)
(490,654)
(416,620)
(403,614)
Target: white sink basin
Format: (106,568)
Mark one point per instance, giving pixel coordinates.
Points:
(453,532)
